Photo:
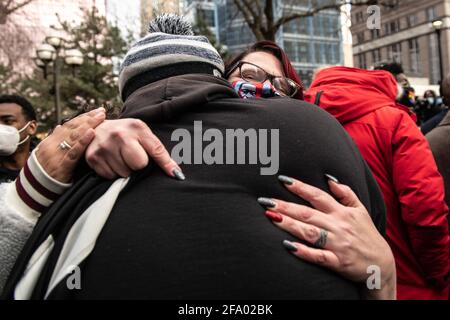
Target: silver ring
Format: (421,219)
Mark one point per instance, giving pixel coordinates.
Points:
(322,241)
(65,145)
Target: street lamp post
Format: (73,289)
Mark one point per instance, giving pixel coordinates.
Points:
(74,58)
(52,52)
(437,26)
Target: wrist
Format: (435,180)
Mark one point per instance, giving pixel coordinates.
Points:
(34,190)
(53,182)
(388,284)
(53,171)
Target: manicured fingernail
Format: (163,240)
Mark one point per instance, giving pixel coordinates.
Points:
(330,177)
(101,109)
(266,202)
(286,180)
(274,216)
(289,245)
(178,174)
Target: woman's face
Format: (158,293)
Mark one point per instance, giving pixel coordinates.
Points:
(266,61)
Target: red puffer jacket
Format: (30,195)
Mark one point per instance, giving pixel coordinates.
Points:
(400,158)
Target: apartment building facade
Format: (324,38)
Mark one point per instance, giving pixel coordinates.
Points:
(406,35)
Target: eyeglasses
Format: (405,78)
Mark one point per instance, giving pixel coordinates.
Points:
(252,73)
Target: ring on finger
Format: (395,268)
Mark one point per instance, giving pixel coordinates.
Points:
(64,145)
(322,241)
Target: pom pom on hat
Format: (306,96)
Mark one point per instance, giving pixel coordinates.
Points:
(171,23)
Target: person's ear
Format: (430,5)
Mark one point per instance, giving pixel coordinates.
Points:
(32,127)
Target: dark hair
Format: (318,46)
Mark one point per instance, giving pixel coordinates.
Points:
(27,108)
(394,68)
(429,92)
(274,49)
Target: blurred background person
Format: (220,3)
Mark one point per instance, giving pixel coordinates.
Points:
(435,107)
(17,125)
(439,140)
(428,107)
(45,176)
(406,96)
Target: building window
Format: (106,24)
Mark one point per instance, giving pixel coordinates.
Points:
(306,76)
(318,26)
(320,52)
(412,20)
(298,26)
(362,61)
(290,50)
(359,17)
(431,14)
(375,33)
(434,59)
(297,51)
(392,27)
(326,53)
(303,52)
(395,26)
(414,55)
(332,51)
(336,53)
(207,16)
(376,56)
(360,37)
(395,52)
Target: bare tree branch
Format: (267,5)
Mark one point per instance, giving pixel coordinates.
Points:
(14,50)
(249,6)
(332,6)
(268,12)
(249,19)
(265,26)
(9,6)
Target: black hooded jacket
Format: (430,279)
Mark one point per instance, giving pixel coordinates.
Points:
(207,237)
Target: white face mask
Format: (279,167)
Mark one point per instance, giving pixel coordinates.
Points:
(10,139)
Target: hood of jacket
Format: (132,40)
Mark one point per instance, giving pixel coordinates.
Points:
(351,93)
(169,98)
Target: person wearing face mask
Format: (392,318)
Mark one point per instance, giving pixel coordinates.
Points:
(17,125)
(406,93)
(435,121)
(37,176)
(429,107)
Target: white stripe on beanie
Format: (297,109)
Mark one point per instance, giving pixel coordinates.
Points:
(160,61)
(180,41)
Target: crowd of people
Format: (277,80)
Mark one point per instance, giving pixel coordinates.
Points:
(359,184)
(429,109)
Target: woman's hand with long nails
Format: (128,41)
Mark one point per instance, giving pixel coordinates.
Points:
(126,145)
(342,235)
